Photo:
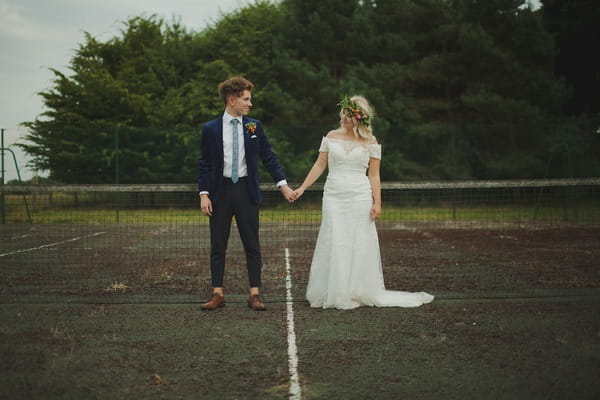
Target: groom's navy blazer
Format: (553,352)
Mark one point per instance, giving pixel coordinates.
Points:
(210,165)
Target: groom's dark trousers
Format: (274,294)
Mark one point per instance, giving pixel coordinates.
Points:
(234,201)
(240,200)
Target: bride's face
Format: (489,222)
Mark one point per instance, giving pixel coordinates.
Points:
(345,121)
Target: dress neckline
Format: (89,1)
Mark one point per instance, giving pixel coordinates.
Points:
(348,141)
(357,142)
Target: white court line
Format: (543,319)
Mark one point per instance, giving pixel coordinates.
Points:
(295,392)
(52,244)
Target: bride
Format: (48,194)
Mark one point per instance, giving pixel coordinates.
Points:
(346,269)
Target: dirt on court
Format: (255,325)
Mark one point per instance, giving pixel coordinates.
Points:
(451,349)
(518,260)
(174,261)
(515,317)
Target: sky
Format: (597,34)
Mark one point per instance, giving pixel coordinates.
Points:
(36,35)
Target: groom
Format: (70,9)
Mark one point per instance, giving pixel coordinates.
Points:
(231,146)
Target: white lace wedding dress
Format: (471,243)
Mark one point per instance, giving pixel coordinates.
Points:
(346,269)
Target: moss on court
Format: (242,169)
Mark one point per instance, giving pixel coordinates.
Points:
(60,339)
(139,351)
(535,349)
(453,350)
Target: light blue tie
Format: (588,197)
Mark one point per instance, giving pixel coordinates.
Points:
(236,151)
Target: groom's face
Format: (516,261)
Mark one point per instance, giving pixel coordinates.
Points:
(241,105)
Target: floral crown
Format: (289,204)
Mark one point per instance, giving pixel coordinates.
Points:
(352,110)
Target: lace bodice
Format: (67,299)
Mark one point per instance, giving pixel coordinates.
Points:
(347,156)
(348,145)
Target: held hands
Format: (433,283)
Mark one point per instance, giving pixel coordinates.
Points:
(298,193)
(287,193)
(291,195)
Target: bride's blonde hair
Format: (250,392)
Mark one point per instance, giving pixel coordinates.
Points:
(361,125)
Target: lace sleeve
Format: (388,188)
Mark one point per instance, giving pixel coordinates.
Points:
(375,151)
(324,145)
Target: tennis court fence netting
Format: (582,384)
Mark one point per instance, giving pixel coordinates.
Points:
(463,238)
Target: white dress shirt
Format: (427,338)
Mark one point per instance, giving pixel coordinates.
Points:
(228,146)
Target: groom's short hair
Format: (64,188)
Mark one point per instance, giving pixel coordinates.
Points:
(234,87)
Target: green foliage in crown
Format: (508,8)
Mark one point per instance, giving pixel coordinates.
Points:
(352,110)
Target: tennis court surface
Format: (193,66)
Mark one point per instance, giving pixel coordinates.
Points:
(101,290)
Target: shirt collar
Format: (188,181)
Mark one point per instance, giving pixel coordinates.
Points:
(227,118)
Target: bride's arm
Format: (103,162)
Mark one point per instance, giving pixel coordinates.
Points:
(375,180)
(314,173)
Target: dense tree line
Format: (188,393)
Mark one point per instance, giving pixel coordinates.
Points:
(461,88)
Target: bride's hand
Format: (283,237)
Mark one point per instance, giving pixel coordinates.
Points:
(375,211)
(298,193)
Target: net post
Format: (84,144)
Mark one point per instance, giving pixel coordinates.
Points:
(20,181)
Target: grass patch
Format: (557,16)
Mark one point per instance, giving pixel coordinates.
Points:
(589,214)
(447,349)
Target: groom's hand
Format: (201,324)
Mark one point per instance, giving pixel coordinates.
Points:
(205,205)
(287,193)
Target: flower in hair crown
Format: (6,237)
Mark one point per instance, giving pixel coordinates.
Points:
(251,126)
(352,110)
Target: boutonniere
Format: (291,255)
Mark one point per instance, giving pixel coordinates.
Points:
(251,127)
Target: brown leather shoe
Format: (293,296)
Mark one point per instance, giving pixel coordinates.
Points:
(215,302)
(255,303)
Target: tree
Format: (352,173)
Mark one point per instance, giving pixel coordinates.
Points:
(118,83)
(574,23)
(476,73)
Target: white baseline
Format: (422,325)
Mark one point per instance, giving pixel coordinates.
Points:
(52,244)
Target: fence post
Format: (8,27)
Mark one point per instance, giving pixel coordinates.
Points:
(453,172)
(2,169)
(570,197)
(567,172)
(117,171)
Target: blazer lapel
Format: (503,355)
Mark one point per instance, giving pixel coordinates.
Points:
(246,133)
